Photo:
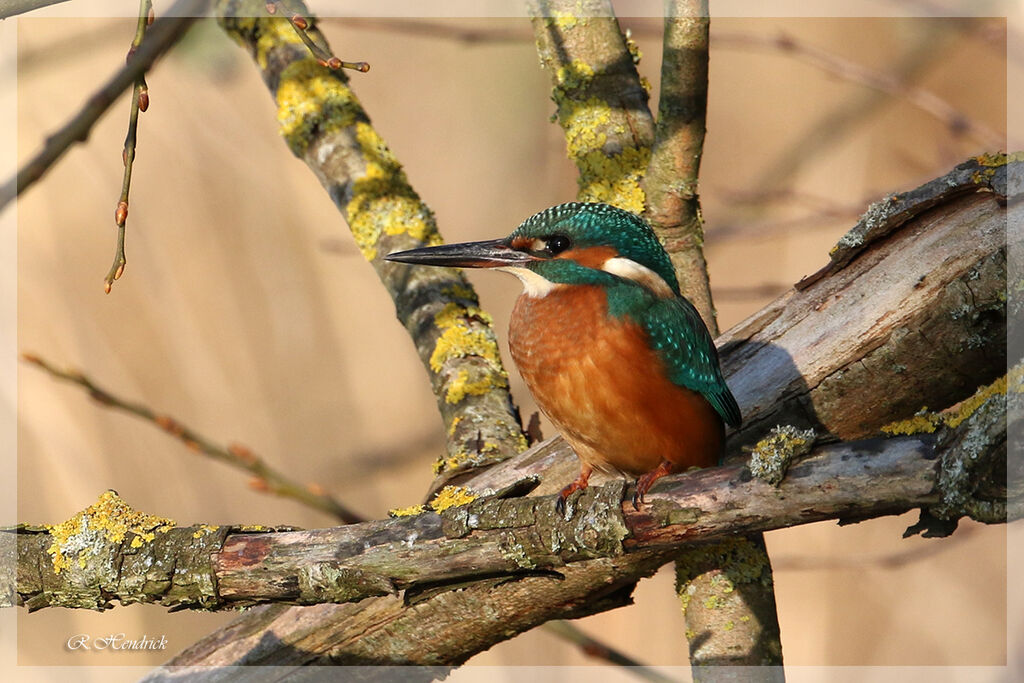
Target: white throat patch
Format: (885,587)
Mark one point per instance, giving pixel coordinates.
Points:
(638,273)
(533,284)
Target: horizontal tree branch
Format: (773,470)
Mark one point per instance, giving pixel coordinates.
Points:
(207,567)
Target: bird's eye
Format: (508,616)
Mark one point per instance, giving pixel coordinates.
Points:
(556,244)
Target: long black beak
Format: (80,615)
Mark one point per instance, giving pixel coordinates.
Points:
(488,254)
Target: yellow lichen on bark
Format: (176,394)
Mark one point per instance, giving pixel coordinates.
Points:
(927,422)
(447,497)
(459,340)
(312,100)
(612,177)
(107,521)
(452,496)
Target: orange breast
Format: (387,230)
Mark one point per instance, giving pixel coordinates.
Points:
(604,389)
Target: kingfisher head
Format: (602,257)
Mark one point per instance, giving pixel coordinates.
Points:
(569,244)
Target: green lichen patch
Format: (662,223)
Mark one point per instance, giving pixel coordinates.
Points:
(106,522)
(608,172)
(314,102)
(382,201)
(923,422)
(772,455)
(741,561)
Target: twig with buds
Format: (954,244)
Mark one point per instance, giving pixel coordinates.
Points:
(140,103)
(265,478)
(320,50)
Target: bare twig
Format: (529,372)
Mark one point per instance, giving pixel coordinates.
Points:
(265,478)
(319,48)
(894,84)
(436,29)
(140,103)
(958,122)
(162,36)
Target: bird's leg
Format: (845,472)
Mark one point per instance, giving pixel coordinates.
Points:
(578,485)
(644,483)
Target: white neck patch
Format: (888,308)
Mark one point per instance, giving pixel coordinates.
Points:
(638,273)
(533,284)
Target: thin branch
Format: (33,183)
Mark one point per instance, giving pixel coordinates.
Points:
(434,29)
(140,103)
(314,41)
(673,206)
(896,83)
(743,628)
(592,647)
(162,36)
(266,478)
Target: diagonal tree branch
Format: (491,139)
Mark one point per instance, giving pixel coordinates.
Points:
(324,125)
(266,478)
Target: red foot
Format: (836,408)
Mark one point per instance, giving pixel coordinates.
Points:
(644,483)
(578,485)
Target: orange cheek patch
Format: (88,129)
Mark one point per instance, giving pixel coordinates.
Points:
(591,257)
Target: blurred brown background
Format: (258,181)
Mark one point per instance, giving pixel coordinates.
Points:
(246,312)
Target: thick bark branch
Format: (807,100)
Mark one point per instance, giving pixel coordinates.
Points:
(514,538)
(910,312)
(602,103)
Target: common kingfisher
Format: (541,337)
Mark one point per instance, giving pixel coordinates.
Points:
(616,357)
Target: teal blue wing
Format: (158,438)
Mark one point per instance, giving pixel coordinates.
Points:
(678,334)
